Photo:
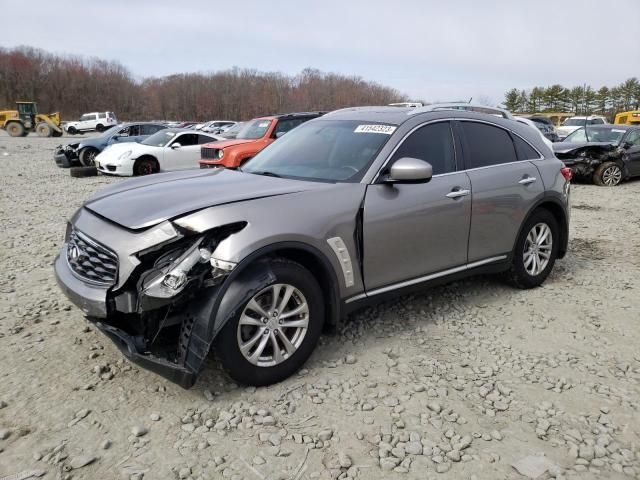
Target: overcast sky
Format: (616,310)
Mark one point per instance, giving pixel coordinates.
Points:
(432,50)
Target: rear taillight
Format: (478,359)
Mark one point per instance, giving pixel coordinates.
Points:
(567,173)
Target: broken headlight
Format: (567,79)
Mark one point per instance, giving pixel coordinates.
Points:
(171,279)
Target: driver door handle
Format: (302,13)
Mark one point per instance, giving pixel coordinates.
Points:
(458,193)
(527,180)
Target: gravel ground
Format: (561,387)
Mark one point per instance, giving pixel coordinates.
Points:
(473,380)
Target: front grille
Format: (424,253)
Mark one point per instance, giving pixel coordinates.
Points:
(91,261)
(209,153)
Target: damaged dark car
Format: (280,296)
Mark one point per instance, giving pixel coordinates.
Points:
(84,151)
(604,154)
(341,212)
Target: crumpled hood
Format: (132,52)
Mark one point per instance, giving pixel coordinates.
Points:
(146,201)
(565,147)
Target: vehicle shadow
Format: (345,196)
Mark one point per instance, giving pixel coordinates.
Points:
(396,316)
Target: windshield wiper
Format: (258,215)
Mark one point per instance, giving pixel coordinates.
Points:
(266,173)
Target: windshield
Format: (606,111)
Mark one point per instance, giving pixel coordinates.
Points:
(254,129)
(324,150)
(159,139)
(610,135)
(574,122)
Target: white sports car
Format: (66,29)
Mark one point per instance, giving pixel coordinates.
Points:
(164,151)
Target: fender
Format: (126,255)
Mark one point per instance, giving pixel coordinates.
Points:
(215,306)
(563,227)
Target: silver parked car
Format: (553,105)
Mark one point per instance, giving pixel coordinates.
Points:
(344,210)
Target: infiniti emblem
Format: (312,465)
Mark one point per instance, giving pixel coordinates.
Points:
(74,252)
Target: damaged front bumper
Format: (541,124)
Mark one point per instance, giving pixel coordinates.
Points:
(162,312)
(65,157)
(132,347)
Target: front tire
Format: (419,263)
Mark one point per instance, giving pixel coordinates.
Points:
(100,128)
(145,166)
(44,129)
(273,334)
(536,250)
(609,174)
(88,156)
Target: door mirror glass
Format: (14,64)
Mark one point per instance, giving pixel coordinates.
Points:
(175,145)
(410,170)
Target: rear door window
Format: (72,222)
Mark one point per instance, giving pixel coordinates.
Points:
(149,129)
(204,139)
(432,143)
(486,145)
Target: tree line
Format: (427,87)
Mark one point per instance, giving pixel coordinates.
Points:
(583,100)
(75,85)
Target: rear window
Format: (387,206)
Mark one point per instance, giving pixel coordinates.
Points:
(486,145)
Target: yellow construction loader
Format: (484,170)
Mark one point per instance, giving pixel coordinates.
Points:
(25,119)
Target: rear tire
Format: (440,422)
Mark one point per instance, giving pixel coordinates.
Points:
(100,128)
(44,129)
(146,166)
(15,129)
(72,130)
(87,156)
(536,250)
(277,350)
(57,133)
(609,174)
(82,172)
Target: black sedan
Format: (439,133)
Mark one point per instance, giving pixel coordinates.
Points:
(606,154)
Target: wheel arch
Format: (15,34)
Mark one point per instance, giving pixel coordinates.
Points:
(210,312)
(146,156)
(558,211)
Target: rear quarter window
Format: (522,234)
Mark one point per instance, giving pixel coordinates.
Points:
(524,150)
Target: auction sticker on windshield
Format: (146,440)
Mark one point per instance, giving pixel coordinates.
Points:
(386,129)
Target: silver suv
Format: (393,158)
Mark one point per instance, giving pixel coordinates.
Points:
(340,212)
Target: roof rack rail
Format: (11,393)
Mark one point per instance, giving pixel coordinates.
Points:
(469,107)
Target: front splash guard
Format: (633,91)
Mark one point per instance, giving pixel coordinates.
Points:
(130,346)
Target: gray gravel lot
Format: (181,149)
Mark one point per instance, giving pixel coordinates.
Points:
(473,380)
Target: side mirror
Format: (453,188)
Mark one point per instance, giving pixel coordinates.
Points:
(627,145)
(410,170)
(176,145)
(279,134)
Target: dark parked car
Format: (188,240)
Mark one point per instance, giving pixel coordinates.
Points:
(340,212)
(546,126)
(605,154)
(86,150)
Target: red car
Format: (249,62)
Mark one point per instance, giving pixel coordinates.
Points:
(254,136)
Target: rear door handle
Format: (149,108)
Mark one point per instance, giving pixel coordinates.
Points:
(458,193)
(527,180)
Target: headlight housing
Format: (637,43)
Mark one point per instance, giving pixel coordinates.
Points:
(125,155)
(171,280)
(220,154)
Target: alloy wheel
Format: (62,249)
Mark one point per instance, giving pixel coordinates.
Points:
(537,249)
(611,176)
(273,325)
